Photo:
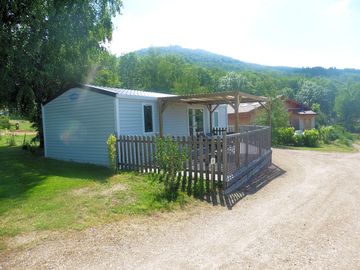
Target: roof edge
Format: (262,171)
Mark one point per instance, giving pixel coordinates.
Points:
(84,87)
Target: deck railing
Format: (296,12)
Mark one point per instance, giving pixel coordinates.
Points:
(247,153)
(229,159)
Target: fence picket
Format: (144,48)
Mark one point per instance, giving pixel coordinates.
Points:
(207,158)
(190,160)
(201,161)
(233,154)
(196,148)
(219,158)
(212,158)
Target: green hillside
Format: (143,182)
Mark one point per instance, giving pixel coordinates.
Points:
(204,58)
(216,61)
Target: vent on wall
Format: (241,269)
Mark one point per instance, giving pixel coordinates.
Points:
(73,96)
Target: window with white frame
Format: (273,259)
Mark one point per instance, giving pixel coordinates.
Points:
(148,118)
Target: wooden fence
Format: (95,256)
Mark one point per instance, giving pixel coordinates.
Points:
(228,159)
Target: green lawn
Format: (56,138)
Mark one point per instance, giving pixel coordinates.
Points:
(333,147)
(24,125)
(45,194)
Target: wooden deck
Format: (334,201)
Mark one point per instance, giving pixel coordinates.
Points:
(229,159)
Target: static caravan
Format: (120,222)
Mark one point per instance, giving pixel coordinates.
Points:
(78,122)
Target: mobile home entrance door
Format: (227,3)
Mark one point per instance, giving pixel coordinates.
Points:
(196,121)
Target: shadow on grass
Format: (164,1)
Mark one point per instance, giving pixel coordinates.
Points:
(210,192)
(21,171)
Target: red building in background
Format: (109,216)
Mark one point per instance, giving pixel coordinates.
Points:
(301,117)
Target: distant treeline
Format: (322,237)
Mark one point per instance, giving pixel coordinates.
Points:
(333,93)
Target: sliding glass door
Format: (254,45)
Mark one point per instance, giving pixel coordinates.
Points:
(196,121)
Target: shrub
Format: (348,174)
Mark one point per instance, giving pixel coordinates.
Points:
(299,140)
(4,122)
(111,143)
(12,140)
(284,136)
(329,134)
(170,160)
(344,141)
(311,138)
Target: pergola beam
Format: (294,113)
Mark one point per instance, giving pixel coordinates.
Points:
(214,98)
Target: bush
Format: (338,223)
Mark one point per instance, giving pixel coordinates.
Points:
(111,144)
(344,142)
(170,159)
(311,138)
(284,136)
(330,134)
(299,140)
(4,122)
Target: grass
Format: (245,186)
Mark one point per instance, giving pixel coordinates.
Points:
(24,125)
(44,194)
(333,147)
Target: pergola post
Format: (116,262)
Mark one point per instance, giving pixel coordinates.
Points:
(237,130)
(211,120)
(237,117)
(211,110)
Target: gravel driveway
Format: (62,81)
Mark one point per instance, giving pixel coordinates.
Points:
(307,218)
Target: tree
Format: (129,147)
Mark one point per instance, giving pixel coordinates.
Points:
(47,47)
(106,71)
(233,81)
(279,117)
(129,71)
(321,117)
(288,92)
(347,107)
(190,81)
(310,93)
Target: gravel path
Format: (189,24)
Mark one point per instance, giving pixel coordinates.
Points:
(308,218)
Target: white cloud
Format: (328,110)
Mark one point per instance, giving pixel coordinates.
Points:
(339,7)
(274,32)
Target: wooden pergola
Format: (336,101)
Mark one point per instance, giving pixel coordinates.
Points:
(211,101)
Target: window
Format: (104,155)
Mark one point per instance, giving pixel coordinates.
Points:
(196,121)
(216,119)
(148,121)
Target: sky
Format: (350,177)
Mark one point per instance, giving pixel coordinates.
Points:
(296,33)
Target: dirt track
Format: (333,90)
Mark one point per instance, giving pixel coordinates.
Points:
(307,218)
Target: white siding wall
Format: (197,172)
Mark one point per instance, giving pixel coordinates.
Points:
(176,119)
(78,123)
(222,110)
(131,115)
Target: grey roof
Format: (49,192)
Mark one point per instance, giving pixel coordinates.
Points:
(308,112)
(245,107)
(128,92)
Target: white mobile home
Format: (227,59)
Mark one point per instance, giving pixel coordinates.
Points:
(78,122)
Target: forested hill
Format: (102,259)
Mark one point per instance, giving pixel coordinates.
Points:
(333,93)
(216,61)
(203,58)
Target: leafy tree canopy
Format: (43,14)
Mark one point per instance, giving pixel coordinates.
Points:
(48,46)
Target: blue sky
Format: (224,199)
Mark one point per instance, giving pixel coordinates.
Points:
(271,32)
